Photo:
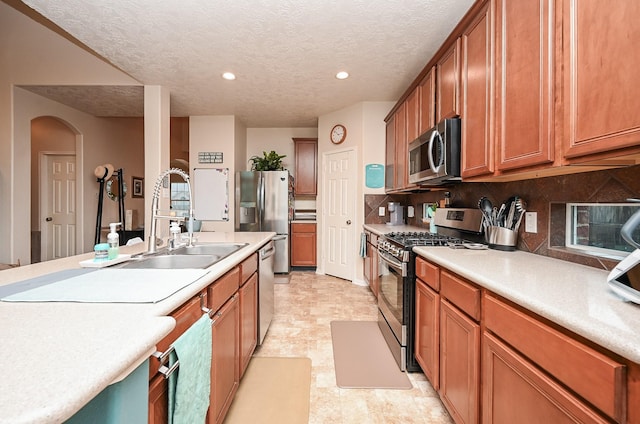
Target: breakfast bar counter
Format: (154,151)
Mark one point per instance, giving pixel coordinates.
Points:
(58,356)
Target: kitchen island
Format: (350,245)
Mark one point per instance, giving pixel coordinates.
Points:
(58,356)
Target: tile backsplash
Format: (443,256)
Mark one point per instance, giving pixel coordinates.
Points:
(542,196)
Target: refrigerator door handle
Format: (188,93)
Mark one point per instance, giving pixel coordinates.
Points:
(260,201)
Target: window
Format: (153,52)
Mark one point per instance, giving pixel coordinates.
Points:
(595,227)
(180,198)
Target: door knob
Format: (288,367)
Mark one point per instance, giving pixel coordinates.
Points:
(48,219)
(348,222)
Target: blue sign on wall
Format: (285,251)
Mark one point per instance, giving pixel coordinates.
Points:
(374,175)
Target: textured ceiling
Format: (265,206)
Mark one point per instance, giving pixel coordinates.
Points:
(285,53)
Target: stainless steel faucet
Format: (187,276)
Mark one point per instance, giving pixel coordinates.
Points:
(155,215)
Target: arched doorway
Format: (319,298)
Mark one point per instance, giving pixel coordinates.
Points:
(53,189)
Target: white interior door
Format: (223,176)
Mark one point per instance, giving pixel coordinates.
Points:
(339,214)
(59,207)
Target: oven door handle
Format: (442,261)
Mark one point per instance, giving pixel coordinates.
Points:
(392,262)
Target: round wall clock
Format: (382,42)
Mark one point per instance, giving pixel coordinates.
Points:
(338,134)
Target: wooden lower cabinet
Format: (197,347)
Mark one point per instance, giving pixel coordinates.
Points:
(225,359)
(248,321)
(459,364)
(427,341)
(303,244)
(370,264)
(234,339)
(515,391)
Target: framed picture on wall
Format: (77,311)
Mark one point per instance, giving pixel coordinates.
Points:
(137,184)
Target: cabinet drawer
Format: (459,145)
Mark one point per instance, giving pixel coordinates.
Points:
(185,316)
(303,228)
(248,267)
(597,378)
(462,294)
(223,288)
(508,376)
(428,273)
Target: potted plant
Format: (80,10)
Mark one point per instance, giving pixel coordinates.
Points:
(268,162)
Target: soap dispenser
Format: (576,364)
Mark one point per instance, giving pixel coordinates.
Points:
(175,231)
(113,239)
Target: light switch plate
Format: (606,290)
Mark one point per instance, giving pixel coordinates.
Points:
(531,222)
(410,212)
(381,211)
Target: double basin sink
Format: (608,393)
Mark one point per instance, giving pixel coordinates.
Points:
(199,256)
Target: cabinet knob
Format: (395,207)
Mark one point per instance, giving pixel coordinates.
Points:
(48,219)
(348,222)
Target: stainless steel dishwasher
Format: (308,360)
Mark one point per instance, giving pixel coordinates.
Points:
(265,289)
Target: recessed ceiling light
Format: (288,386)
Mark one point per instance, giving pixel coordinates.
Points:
(342,75)
(229,76)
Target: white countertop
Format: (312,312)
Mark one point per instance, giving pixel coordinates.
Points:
(571,295)
(58,356)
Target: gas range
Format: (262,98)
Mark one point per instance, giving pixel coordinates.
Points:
(452,224)
(399,244)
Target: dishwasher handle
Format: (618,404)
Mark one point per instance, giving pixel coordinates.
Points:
(267,251)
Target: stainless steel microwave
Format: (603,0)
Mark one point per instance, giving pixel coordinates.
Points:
(434,157)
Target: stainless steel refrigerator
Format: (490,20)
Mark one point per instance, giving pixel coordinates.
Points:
(264,202)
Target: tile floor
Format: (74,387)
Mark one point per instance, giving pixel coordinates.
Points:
(304,308)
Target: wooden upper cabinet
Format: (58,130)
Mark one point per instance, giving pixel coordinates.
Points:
(427,112)
(601,92)
(306,173)
(390,155)
(448,83)
(524,83)
(401,148)
(413,115)
(476,96)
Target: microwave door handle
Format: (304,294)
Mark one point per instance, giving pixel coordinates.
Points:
(432,165)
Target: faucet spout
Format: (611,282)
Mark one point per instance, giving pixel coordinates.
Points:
(155,215)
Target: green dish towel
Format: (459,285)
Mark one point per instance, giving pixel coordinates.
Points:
(190,384)
(363,245)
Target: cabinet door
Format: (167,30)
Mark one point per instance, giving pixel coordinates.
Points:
(303,244)
(375,278)
(514,391)
(601,92)
(159,400)
(248,321)
(476,96)
(413,115)
(524,83)
(448,83)
(427,102)
(402,148)
(225,366)
(459,364)
(390,155)
(306,173)
(428,332)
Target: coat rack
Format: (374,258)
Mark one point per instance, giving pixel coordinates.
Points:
(103,173)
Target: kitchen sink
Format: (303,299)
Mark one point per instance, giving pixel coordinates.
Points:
(173,261)
(199,256)
(222,250)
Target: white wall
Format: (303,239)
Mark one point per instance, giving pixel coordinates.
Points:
(99,141)
(216,134)
(366,136)
(32,54)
